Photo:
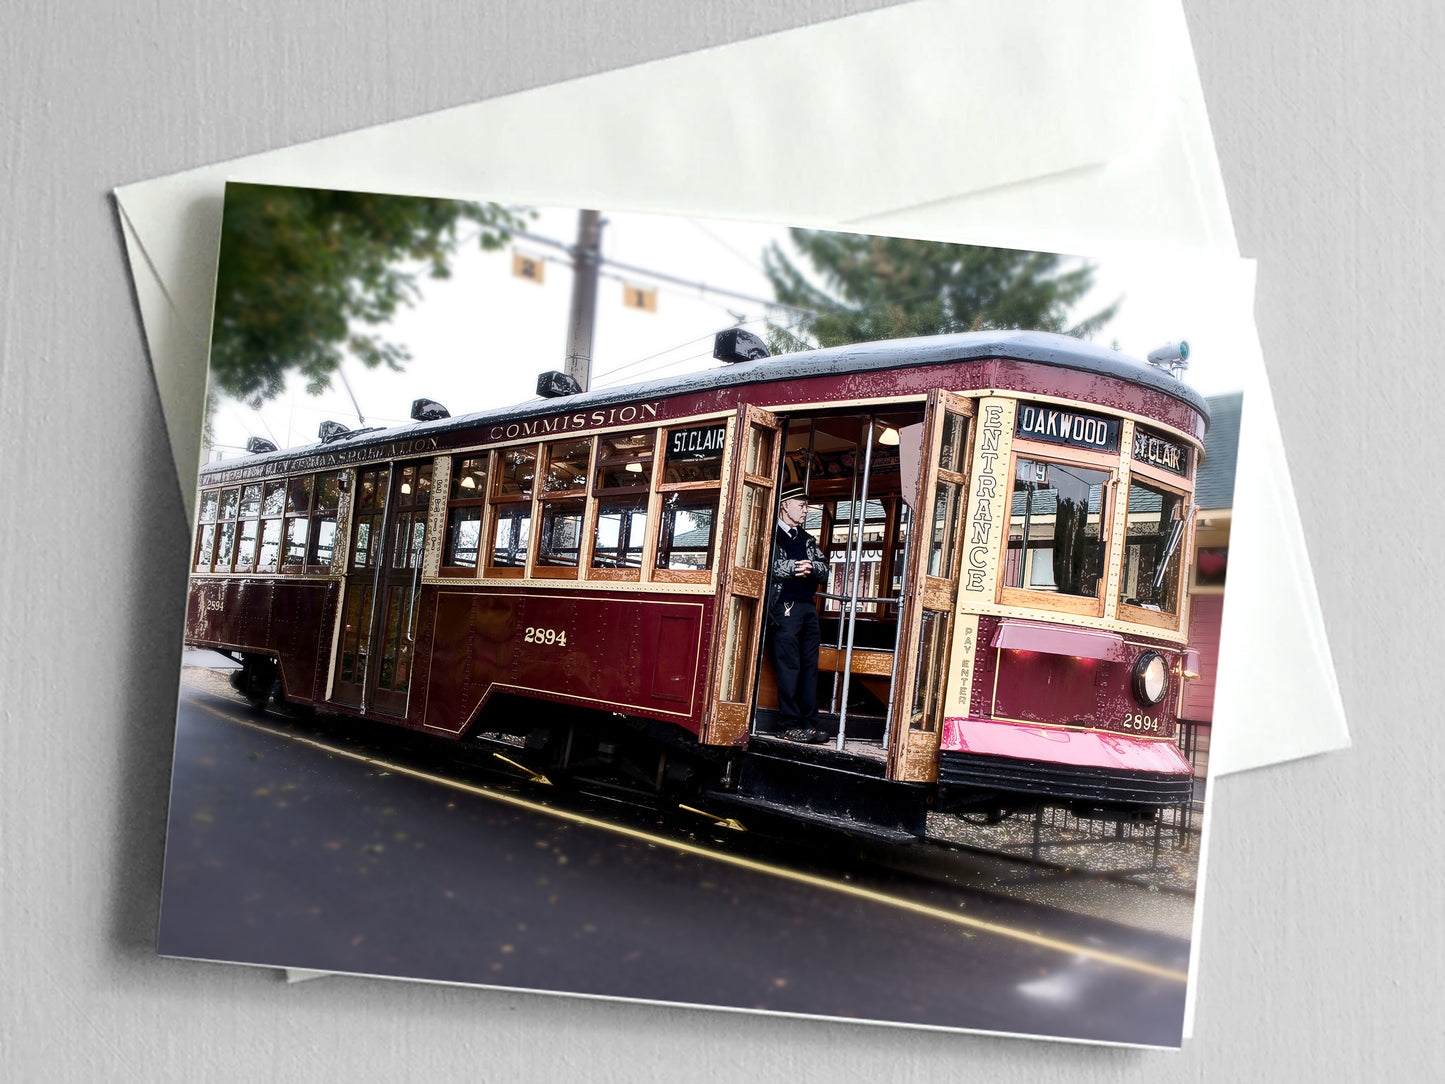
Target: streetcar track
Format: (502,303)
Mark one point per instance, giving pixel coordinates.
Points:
(1069,948)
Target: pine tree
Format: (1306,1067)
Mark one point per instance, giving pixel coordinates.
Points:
(892,287)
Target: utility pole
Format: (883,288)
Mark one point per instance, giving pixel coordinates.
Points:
(586,257)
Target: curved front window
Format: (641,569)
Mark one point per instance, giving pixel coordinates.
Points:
(1153,549)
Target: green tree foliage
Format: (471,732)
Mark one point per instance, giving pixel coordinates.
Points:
(304,272)
(872,288)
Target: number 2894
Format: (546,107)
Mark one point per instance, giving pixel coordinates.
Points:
(546,636)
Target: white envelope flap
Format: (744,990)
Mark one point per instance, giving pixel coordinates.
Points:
(822,125)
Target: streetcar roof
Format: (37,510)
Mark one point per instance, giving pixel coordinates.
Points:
(1042,347)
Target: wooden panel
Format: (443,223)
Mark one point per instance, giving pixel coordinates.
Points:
(674,670)
(878,663)
(451,694)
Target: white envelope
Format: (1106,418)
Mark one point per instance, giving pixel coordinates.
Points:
(1048,125)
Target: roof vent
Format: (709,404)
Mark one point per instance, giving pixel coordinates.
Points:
(428,410)
(329,431)
(553,385)
(258,445)
(735,344)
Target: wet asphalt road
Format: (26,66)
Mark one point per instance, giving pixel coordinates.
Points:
(280,853)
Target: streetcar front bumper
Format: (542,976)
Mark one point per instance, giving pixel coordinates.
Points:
(1063,764)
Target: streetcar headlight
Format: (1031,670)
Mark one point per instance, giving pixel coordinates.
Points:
(1151,678)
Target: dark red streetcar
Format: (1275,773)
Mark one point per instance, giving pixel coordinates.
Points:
(1006,515)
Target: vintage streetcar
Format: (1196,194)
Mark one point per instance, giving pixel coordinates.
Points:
(584,577)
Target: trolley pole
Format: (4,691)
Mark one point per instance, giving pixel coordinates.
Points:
(586,256)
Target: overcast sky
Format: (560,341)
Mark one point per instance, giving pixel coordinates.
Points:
(479,339)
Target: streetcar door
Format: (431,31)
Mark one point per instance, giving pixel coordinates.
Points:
(744,551)
(383,583)
(931,587)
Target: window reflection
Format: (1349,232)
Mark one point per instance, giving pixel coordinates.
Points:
(1153,548)
(1056,528)
(687,531)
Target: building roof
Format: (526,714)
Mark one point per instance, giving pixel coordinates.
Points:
(1214,484)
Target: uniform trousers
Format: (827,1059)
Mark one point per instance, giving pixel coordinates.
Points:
(793,649)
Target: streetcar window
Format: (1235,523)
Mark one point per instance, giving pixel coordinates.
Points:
(323,545)
(466,501)
(370,511)
(694,454)
(205,540)
(621,531)
(1153,548)
(275,500)
(1057,522)
(945,530)
(510,535)
(513,476)
(268,557)
(877,516)
(229,501)
(246,540)
(206,536)
(947,519)
(563,505)
(686,538)
(328,491)
(561,538)
(293,537)
(516,468)
(691,486)
(326,499)
(225,540)
(623,480)
(250,500)
(298,495)
(928,681)
(412,501)
(464,537)
(295,553)
(567,464)
(469,478)
(624,462)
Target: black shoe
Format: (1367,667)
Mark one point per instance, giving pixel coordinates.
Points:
(805,734)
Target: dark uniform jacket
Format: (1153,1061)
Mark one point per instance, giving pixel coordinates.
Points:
(784,566)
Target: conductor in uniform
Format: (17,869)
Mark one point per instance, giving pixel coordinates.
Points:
(799,566)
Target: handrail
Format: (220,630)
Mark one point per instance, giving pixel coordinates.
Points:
(857,569)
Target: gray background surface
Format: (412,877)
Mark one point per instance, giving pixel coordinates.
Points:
(1321,938)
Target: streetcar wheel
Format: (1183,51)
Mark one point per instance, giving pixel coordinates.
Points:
(258,680)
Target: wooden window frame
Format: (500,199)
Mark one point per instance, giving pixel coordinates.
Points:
(201,524)
(535,569)
(1028,598)
(1138,615)
(319,515)
(223,520)
(661,488)
(496,502)
(242,518)
(377,513)
(596,495)
(289,515)
(479,501)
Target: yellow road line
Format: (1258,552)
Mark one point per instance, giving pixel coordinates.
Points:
(842,887)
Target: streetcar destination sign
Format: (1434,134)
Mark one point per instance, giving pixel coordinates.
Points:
(1161,453)
(702,442)
(1071,427)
